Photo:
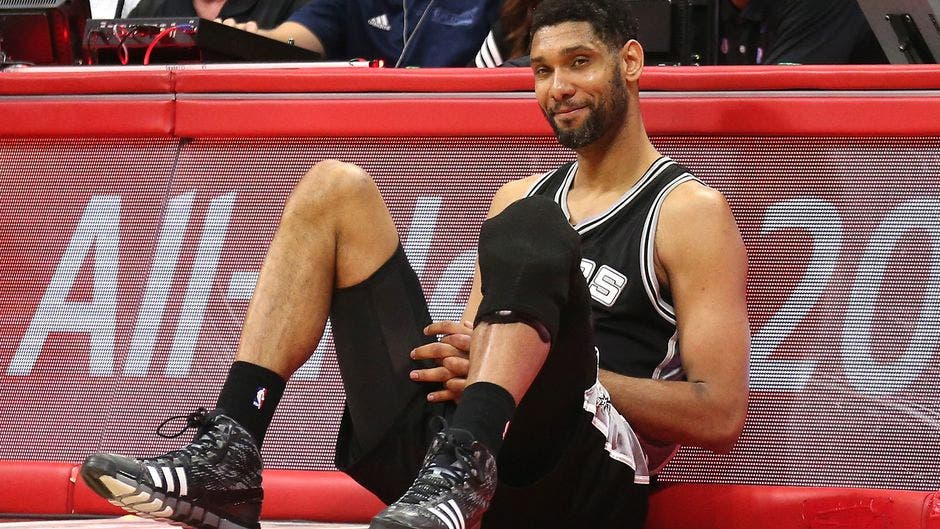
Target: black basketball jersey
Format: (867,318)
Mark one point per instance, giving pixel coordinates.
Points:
(634,320)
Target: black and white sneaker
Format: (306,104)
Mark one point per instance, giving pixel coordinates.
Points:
(453,489)
(212,483)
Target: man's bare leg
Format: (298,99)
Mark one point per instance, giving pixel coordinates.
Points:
(509,355)
(335,232)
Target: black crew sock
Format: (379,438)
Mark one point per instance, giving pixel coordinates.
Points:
(250,396)
(484,410)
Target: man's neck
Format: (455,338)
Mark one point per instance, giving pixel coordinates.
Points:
(617,161)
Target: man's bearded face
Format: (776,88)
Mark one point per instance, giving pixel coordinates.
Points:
(608,110)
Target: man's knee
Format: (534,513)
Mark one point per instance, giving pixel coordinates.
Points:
(529,256)
(530,231)
(330,184)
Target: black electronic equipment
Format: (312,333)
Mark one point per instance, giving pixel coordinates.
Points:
(182,40)
(42,31)
(907,30)
(678,32)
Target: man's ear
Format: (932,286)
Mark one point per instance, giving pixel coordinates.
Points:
(631,56)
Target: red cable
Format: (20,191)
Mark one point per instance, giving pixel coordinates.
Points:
(157,39)
(121,33)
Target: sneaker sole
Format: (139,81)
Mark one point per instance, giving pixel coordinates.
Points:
(141,500)
(385,524)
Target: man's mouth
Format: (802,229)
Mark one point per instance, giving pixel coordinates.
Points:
(567,112)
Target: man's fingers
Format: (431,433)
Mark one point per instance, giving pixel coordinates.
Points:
(456,385)
(250,26)
(457,365)
(434,351)
(453,389)
(457,341)
(454,334)
(447,327)
(432,374)
(442,396)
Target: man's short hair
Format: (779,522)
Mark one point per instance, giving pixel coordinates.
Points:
(612,20)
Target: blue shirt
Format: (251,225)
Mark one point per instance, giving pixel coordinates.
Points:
(437,32)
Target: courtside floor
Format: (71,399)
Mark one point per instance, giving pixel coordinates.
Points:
(133,522)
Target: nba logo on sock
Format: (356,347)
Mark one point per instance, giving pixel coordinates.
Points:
(259,397)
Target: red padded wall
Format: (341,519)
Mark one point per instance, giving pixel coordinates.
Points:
(127,264)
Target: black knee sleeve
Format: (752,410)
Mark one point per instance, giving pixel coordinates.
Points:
(528,254)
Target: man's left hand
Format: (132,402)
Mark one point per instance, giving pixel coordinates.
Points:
(451,353)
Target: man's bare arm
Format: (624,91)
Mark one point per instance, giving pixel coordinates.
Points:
(700,254)
(292,32)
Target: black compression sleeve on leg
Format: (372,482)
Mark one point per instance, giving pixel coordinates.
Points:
(528,254)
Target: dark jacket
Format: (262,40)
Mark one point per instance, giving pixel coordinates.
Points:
(438,32)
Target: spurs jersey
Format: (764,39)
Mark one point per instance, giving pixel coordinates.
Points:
(634,320)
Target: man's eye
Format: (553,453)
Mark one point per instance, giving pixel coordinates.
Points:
(580,61)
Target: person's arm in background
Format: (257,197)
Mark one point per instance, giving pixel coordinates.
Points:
(290,32)
(317,26)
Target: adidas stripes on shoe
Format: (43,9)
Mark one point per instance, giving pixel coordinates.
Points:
(212,483)
(453,489)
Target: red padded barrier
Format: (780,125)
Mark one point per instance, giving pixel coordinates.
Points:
(794,116)
(816,116)
(358,117)
(355,80)
(55,488)
(324,495)
(142,103)
(704,506)
(35,487)
(88,82)
(44,487)
(855,117)
(86,117)
(84,501)
(347,80)
(764,78)
(712,78)
(288,494)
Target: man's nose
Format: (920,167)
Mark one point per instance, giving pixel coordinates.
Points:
(561,88)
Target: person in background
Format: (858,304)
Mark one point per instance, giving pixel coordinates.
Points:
(507,44)
(265,13)
(410,33)
(813,32)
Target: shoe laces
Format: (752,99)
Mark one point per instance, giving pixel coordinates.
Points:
(443,471)
(205,438)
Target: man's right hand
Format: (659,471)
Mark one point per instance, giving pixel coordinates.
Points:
(251,26)
(452,353)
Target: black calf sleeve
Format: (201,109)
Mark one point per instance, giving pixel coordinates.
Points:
(528,254)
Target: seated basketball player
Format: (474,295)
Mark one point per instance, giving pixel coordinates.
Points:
(623,238)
